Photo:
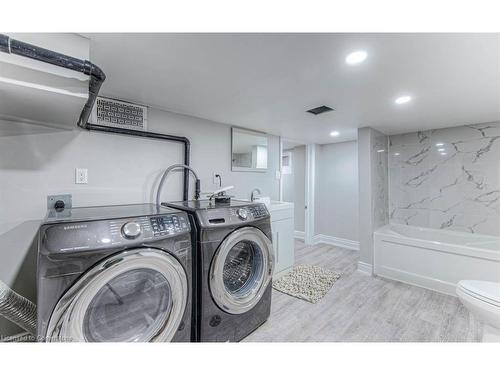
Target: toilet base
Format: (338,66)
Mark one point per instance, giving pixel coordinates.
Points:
(490,334)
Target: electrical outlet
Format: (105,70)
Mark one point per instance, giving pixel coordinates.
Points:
(81,176)
(215,178)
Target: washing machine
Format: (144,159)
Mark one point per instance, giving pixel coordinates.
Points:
(234,261)
(114,274)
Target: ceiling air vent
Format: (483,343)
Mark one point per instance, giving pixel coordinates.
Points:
(320,110)
(117,114)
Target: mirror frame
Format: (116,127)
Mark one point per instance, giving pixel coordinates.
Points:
(250,132)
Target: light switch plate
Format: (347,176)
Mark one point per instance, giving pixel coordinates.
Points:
(81,176)
(278,174)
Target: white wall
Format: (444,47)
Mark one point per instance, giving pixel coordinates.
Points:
(294,186)
(336,201)
(122,170)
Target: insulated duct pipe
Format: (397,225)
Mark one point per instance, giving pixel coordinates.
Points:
(17,309)
(97,77)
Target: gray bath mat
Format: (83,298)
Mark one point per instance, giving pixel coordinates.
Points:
(309,283)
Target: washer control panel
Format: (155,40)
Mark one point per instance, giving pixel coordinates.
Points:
(131,230)
(169,224)
(85,235)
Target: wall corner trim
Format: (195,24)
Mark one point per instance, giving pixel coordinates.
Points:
(365,268)
(336,241)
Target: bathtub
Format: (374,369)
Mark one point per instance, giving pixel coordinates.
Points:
(435,259)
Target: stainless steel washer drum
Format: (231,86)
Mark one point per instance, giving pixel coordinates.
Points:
(137,295)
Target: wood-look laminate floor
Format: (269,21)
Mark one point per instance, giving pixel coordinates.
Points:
(364,309)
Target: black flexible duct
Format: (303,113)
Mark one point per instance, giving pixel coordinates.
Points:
(97,77)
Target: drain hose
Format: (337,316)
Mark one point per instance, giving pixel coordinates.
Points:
(17,309)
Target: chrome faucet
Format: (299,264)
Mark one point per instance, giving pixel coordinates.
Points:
(252,195)
(165,174)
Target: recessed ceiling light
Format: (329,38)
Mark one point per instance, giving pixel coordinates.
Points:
(443,153)
(397,154)
(356,57)
(441,149)
(334,134)
(439,144)
(381,150)
(403,99)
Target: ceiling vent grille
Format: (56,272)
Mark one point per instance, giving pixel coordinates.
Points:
(320,110)
(118,114)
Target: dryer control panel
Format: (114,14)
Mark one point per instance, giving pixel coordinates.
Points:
(232,215)
(258,211)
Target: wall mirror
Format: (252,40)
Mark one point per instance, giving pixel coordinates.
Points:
(248,150)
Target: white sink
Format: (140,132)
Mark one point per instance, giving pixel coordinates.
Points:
(274,205)
(279,205)
(271,205)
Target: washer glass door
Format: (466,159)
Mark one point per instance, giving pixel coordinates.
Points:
(137,295)
(241,270)
(133,305)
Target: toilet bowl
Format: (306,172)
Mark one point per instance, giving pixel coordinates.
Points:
(482,298)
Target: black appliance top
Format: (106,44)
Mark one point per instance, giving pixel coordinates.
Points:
(104,212)
(205,204)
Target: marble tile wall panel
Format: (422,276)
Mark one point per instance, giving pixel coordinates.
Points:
(380,180)
(447,178)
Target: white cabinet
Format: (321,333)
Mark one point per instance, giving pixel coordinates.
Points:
(283,242)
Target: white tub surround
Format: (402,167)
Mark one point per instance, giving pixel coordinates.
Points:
(373,191)
(282,214)
(433,258)
(447,178)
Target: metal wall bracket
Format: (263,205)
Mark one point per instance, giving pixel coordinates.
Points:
(65,198)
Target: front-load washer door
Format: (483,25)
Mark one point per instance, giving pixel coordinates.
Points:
(136,295)
(241,270)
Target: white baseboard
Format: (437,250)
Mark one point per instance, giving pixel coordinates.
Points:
(299,235)
(365,268)
(336,241)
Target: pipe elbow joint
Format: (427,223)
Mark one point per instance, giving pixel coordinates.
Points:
(98,73)
(93,70)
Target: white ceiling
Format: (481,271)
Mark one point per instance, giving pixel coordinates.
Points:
(267,81)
